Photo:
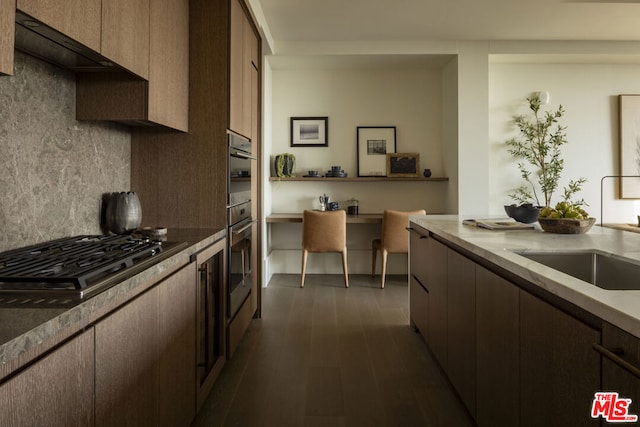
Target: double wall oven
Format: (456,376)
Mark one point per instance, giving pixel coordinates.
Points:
(240,221)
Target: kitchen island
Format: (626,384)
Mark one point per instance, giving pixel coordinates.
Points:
(522,343)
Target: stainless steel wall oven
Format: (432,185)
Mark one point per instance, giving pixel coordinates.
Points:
(240,222)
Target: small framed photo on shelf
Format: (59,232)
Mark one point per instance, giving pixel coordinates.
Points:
(309,131)
(374,143)
(403,164)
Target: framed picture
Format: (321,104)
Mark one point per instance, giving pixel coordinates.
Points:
(629,146)
(309,131)
(374,143)
(403,164)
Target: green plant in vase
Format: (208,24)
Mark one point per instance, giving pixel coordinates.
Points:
(285,164)
(540,163)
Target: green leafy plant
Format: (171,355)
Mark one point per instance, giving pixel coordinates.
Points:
(285,164)
(540,162)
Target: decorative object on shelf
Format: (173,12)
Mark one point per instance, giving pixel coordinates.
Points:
(336,172)
(353,206)
(309,131)
(374,143)
(312,174)
(285,164)
(333,206)
(525,213)
(324,199)
(566,225)
(629,145)
(426,173)
(541,164)
(123,214)
(403,164)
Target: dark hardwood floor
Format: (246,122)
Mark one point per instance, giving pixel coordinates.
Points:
(325,355)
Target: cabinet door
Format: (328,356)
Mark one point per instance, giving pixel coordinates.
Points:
(497,350)
(419,306)
(461,329)
(127,365)
(559,370)
(615,377)
(77,19)
(436,284)
(177,346)
(125,34)
(7,33)
(418,293)
(169,63)
(55,391)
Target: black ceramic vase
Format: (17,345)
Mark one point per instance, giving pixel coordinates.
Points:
(525,213)
(124,213)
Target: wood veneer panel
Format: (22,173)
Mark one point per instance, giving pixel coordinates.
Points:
(7,35)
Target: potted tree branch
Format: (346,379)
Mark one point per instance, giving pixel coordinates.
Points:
(540,164)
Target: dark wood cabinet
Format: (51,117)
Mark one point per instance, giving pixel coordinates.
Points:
(461,327)
(145,357)
(621,365)
(436,284)
(7,35)
(497,350)
(55,391)
(78,19)
(159,96)
(559,370)
(418,293)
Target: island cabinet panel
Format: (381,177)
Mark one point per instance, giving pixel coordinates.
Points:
(7,35)
(559,370)
(418,293)
(497,350)
(125,34)
(55,391)
(621,365)
(78,19)
(461,327)
(145,357)
(436,283)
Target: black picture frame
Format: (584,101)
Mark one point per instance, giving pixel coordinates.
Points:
(403,164)
(309,132)
(373,145)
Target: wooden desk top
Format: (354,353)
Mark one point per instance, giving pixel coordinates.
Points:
(351,219)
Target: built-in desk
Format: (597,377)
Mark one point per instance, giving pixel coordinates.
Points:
(351,219)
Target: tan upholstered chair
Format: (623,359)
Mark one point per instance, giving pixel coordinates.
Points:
(324,232)
(395,239)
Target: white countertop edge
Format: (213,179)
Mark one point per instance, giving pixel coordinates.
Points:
(618,307)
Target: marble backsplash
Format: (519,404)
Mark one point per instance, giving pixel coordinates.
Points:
(53,168)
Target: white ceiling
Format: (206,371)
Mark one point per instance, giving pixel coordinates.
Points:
(447,20)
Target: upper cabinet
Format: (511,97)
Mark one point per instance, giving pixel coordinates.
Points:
(162,99)
(77,19)
(125,34)
(7,24)
(243,63)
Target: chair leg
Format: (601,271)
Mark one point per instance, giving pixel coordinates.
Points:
(344,268)
(305,253)
(384,268)
(374,254)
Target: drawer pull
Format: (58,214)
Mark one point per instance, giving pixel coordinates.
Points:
(611,355)
(411,230)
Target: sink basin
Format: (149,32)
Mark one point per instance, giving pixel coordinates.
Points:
(602,269)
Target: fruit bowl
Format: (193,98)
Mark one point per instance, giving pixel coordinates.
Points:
(566,225)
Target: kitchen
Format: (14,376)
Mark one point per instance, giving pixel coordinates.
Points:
(48,192)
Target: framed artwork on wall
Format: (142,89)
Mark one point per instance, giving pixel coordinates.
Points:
(629,146)
(309,131)
(374,143)
(403,164)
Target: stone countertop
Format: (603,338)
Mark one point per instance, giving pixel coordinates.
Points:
(25,333)
(620,308)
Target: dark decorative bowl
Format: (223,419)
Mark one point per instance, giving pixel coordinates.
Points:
(566,225)
(523,213)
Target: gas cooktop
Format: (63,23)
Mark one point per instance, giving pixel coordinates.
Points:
(63,272)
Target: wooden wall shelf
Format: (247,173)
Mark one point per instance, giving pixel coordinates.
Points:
(362,179)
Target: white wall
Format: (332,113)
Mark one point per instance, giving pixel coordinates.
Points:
(588,92)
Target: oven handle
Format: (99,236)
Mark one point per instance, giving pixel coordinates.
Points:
(245,228)
(243,155)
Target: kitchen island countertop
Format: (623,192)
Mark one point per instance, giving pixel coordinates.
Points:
(618,307)
(26,333)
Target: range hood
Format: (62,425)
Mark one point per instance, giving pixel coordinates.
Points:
(38,40)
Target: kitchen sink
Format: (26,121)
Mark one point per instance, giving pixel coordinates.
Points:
(602,269)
